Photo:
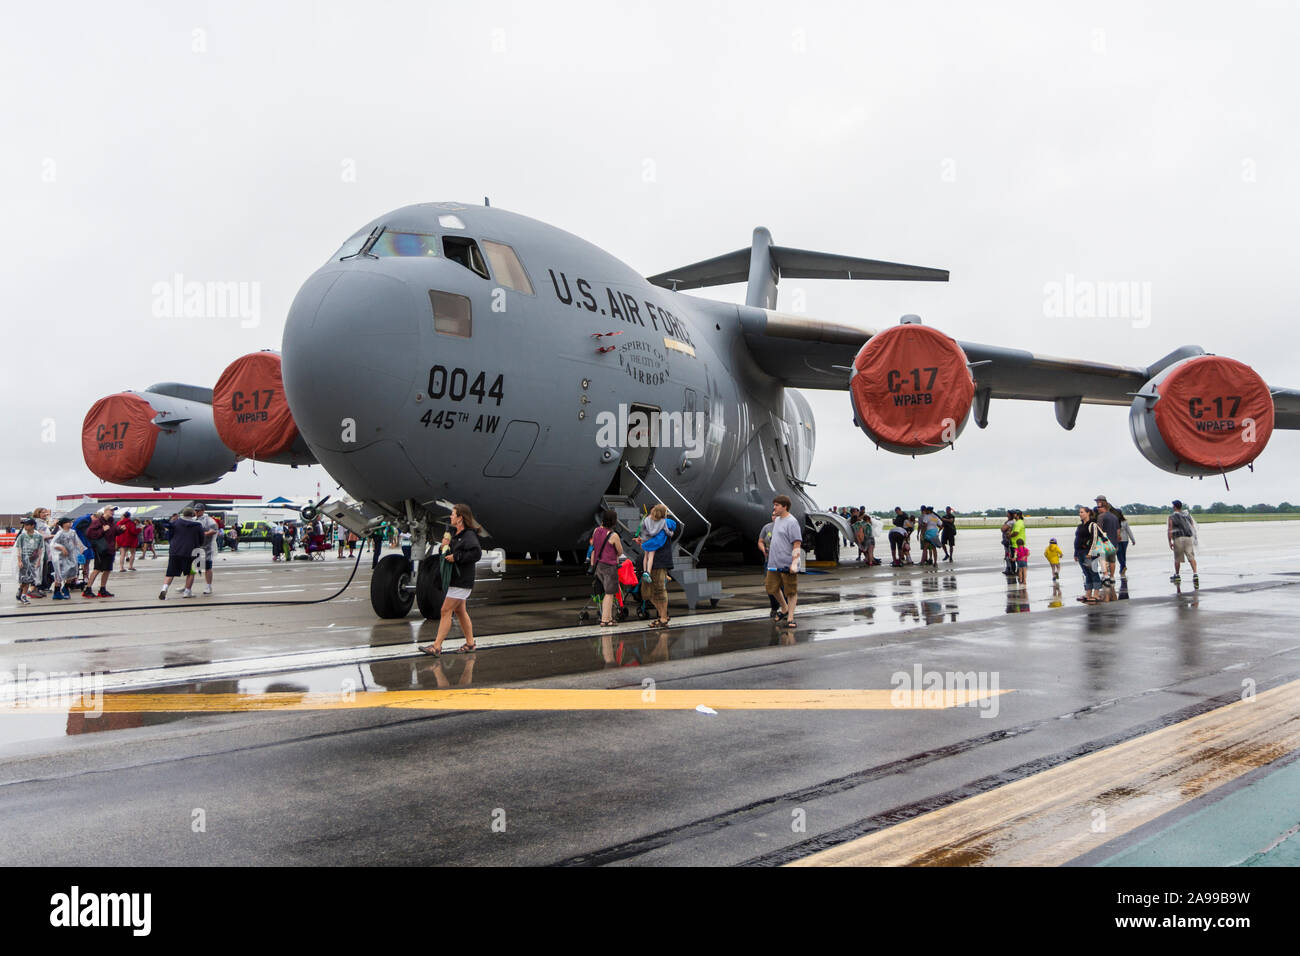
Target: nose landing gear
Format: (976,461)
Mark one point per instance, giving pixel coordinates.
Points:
(398,582)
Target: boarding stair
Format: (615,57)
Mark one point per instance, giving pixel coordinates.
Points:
(693,579)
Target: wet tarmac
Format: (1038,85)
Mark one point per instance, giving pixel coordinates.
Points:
(373,753)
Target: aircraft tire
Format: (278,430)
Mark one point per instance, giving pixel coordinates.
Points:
(387,594)
(428,589)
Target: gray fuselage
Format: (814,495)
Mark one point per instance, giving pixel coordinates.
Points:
(508,400)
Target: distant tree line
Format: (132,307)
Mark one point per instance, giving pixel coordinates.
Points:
(1135,508)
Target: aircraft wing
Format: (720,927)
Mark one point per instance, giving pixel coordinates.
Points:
(811,353)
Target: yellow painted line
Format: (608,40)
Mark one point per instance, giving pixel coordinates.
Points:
(520,698)
(1060,814)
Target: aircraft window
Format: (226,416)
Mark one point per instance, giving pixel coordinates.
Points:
(507,267)
(449,221)
(353,246)
(451,314)
(405,244)
(464,251)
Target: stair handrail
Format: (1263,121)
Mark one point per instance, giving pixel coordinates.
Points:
(708,525)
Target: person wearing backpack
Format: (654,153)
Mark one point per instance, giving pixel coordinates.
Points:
(1181,530)
(102,535)
(1109,522)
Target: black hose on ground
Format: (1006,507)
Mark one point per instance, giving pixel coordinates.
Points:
(100,609)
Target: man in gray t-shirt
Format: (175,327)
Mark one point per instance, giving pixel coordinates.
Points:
(210,531)
(783,551)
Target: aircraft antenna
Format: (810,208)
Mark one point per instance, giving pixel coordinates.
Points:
(486,201)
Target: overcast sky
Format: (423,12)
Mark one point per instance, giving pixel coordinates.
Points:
(1011,144)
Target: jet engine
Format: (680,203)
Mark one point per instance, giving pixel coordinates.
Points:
(912,389)
(252,413)
(1205,415)
(162,437)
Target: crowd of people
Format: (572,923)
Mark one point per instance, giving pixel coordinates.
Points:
(1101,542)
(934,532)
(56,557)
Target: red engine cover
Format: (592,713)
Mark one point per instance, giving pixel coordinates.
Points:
(118,437)
(911,388)
(250,409)
(1214,412)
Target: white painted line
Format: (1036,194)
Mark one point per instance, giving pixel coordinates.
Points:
(312,660)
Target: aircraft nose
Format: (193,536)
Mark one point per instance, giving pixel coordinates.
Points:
(350,357)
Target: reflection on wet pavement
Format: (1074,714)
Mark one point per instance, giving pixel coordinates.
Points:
(304,651)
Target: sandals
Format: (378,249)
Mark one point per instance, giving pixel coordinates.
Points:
(656,623)
(430,650)
(609,623)
(467,649)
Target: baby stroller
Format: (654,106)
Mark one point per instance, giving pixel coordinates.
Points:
(626,597)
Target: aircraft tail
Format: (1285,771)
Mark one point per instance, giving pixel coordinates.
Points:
(763,265)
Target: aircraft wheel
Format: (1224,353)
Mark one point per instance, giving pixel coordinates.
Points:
(621,613)
(388,594)
(642,613)
(428,589)
(713,602)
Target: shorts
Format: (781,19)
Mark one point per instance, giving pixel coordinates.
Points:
(1022,564)
(607,575)
(1184,548)
(179,565)
(781,581)
(932,536)
(658,586)
(458,594)
(104,560)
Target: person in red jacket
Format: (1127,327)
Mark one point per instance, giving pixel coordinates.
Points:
(128,539)
(103,542)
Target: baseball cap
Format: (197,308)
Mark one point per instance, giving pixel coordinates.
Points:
(200,506)
(1177,503)
(29,520)
(1053,541)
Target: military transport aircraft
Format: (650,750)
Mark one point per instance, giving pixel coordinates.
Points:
(500,361)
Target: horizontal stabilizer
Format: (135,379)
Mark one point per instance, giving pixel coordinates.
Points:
(792,264)
(764,264)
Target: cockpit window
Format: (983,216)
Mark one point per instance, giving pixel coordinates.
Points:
(405,244)
(465,251)
(507,267)
(354,245)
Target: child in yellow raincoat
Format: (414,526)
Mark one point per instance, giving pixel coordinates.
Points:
(1053,556)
